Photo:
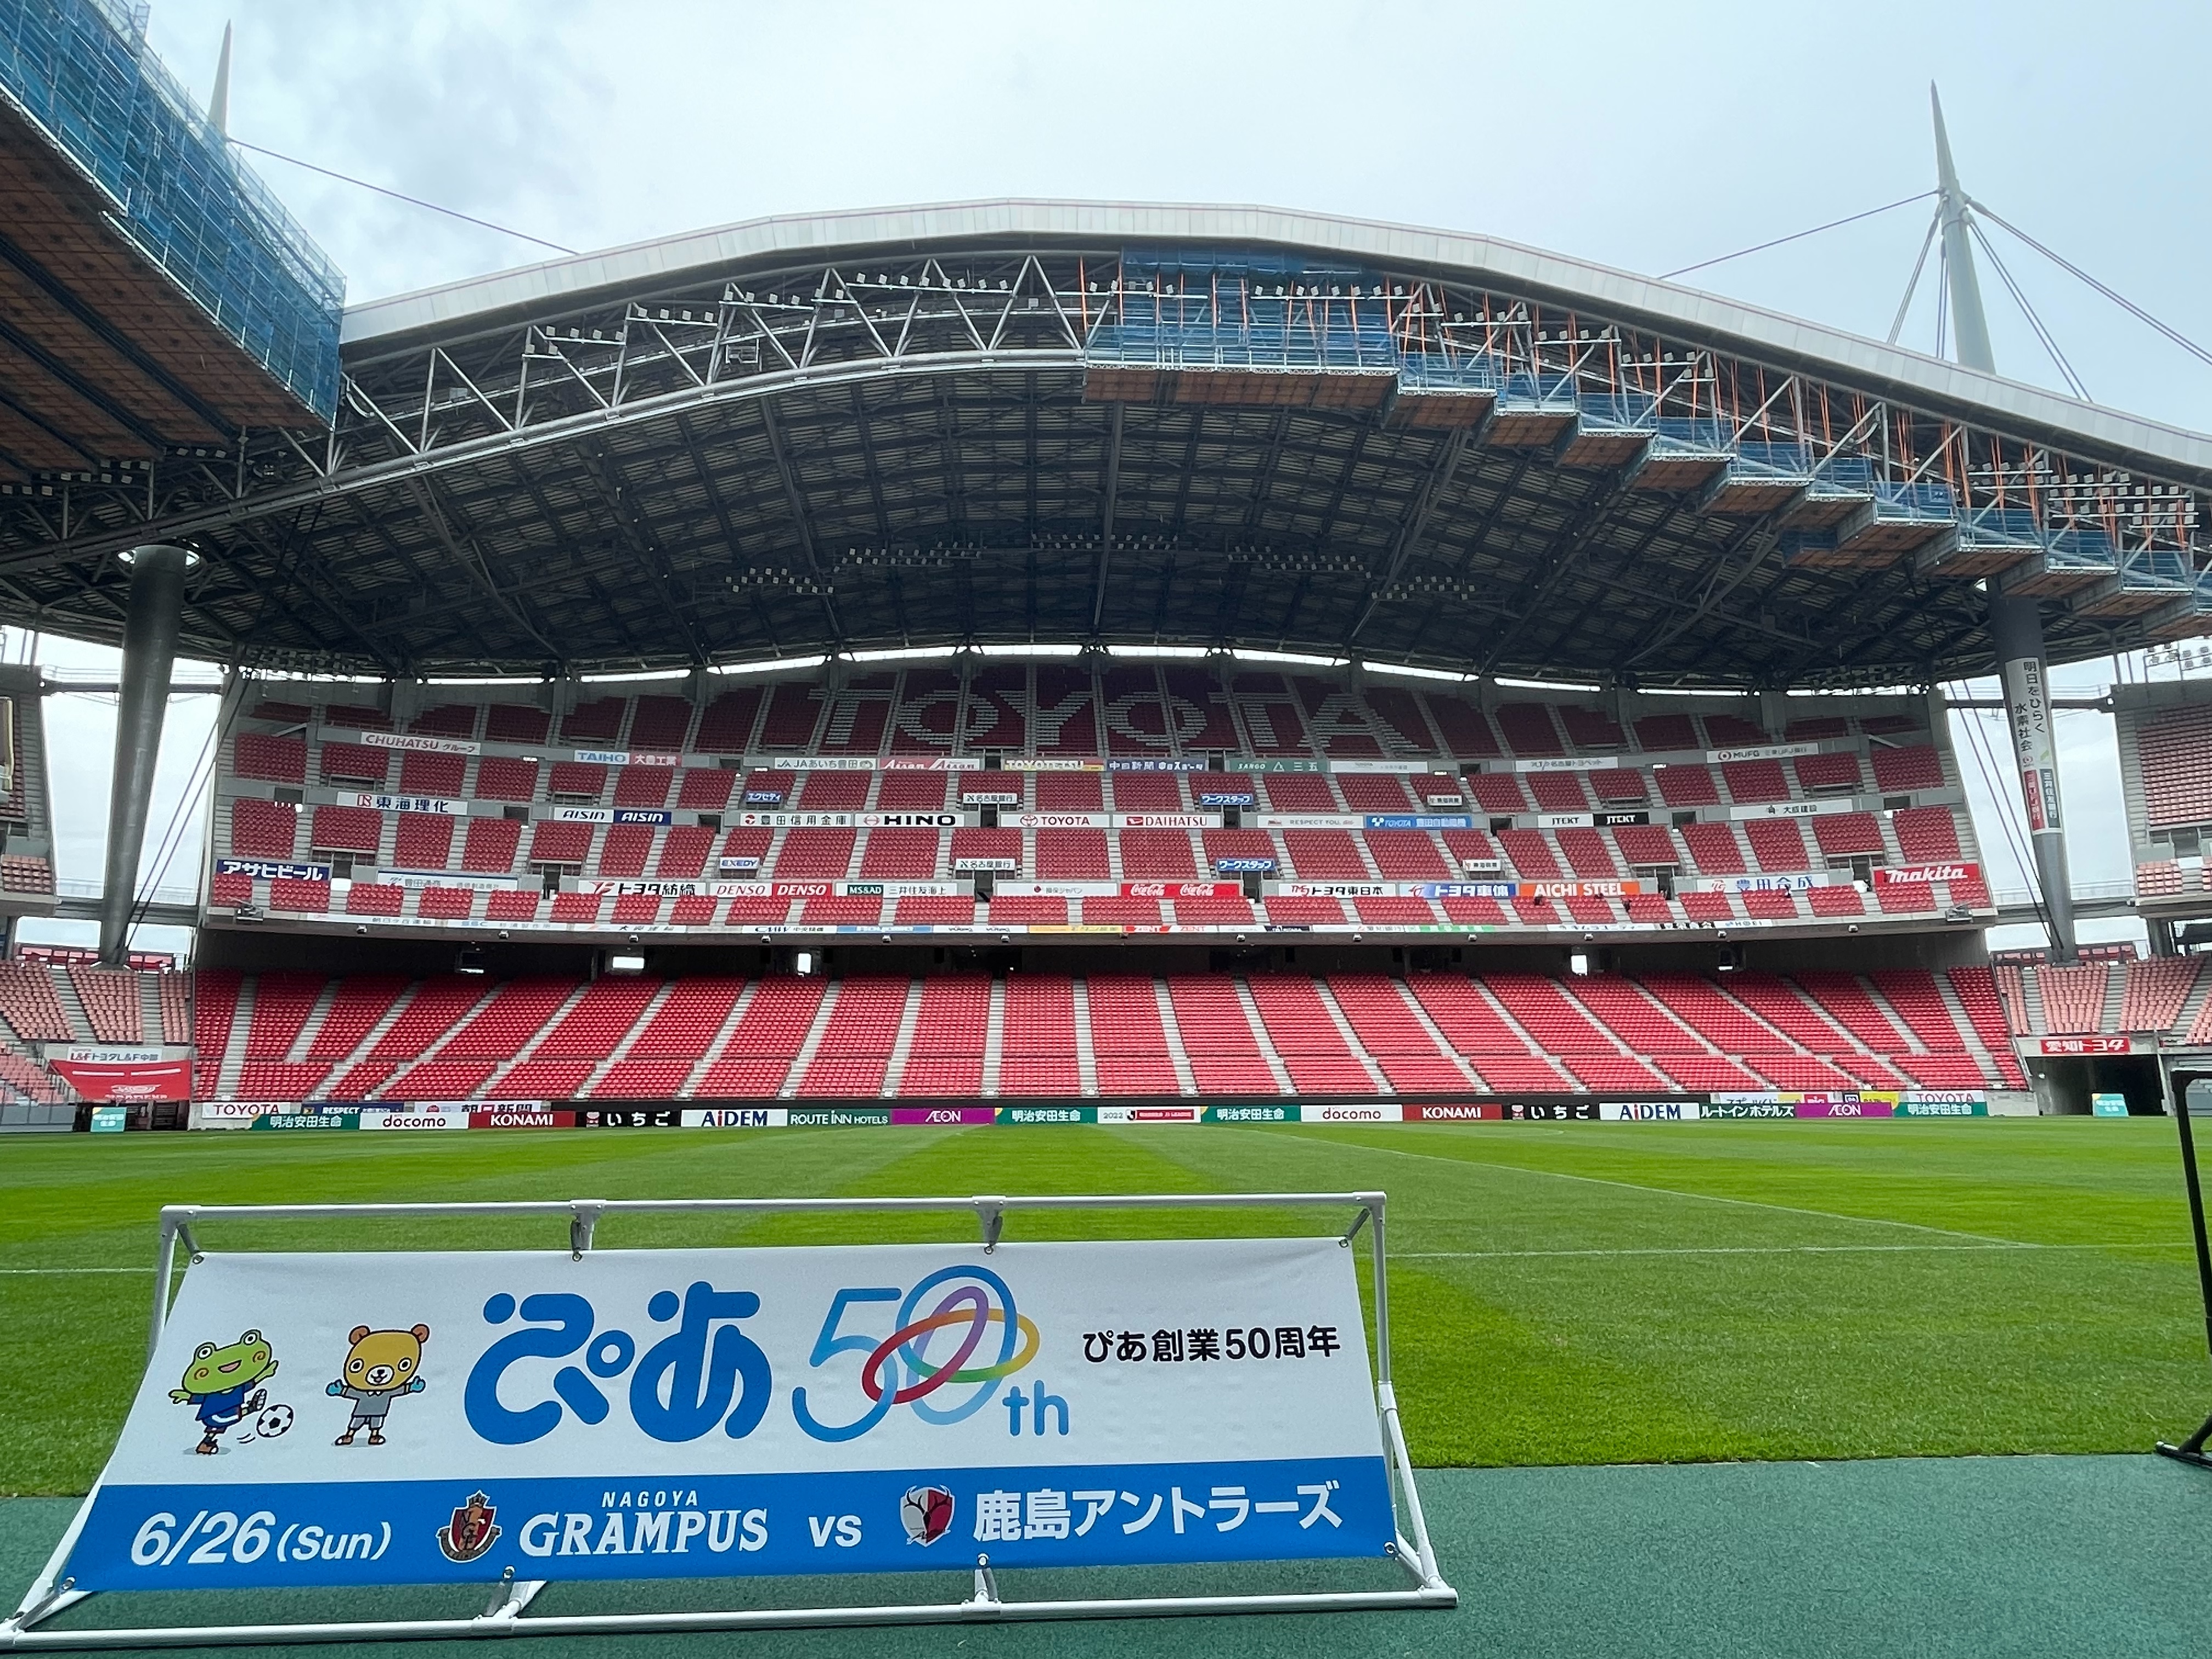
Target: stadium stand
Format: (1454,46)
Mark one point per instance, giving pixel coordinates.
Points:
(1125,1035)
(834,778)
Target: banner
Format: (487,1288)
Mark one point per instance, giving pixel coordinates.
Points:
(1417,821)
(1844,1106)
(436,804)
(1760,751)
(852,820)
(141,1077)
(2034,745)
(697,887)
(627,758)
(272,869)
(415,740)
(1889,875)
(1794,808)
(443,1417)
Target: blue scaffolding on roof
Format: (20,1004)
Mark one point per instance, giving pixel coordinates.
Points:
(81,70)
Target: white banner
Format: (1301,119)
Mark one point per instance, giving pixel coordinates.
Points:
(1761,751)
(2034,747)
(433,804)
(1567,763)
(414,1418)
(422,1116)
(1794,808)
(1892,875)
(1167,820)
(415,740)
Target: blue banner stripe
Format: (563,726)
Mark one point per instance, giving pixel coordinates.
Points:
(256,1536)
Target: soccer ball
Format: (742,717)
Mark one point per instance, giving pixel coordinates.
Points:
(273,1422)
(926,1514)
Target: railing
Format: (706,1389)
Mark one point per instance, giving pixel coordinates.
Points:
(81,69)
(69,887)
(2013,898)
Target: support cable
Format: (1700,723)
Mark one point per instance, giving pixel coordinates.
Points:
(172,835)
(1943,296)
(2119,299)
(1897,323)
(2020,299)
(401,196)
(1796,236)
(1979,742)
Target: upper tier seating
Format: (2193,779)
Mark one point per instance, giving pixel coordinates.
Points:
(1144,723)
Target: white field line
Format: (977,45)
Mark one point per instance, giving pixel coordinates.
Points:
(1767,1249)
(1672,1191)
(17,1272)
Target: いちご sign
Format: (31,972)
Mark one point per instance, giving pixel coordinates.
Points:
(441,1418)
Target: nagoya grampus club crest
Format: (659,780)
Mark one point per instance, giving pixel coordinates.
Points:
(926,1514)
(471,1532)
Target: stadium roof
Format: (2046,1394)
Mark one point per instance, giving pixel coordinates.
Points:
(1007,421)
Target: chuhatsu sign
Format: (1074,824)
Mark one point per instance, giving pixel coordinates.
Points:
(517,1417)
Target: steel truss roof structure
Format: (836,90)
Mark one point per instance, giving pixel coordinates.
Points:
(1031,421)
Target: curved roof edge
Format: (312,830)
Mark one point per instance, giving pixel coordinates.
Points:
(1728,324)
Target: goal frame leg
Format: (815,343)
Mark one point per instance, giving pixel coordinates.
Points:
(2190,1450)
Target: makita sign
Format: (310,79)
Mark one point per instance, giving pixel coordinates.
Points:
(1893,875)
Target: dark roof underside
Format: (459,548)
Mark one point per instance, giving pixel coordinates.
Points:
(898,450)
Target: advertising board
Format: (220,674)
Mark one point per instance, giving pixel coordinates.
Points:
(439,1418)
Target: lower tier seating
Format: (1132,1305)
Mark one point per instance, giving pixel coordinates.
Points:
(1101,1036)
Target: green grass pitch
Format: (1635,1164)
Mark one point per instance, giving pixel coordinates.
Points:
(1570,1293)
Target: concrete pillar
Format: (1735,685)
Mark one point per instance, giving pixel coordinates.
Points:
(1774,711)
(1939,719)
(2017,631)
(150,648)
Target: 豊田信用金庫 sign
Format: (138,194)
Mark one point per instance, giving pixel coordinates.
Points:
(412,1419)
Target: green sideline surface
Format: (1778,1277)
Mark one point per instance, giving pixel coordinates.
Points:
(1570,1293)
(1996,1557)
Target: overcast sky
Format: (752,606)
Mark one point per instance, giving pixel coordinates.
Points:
(1649,138)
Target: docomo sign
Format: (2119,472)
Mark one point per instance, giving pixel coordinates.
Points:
(646,1414)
